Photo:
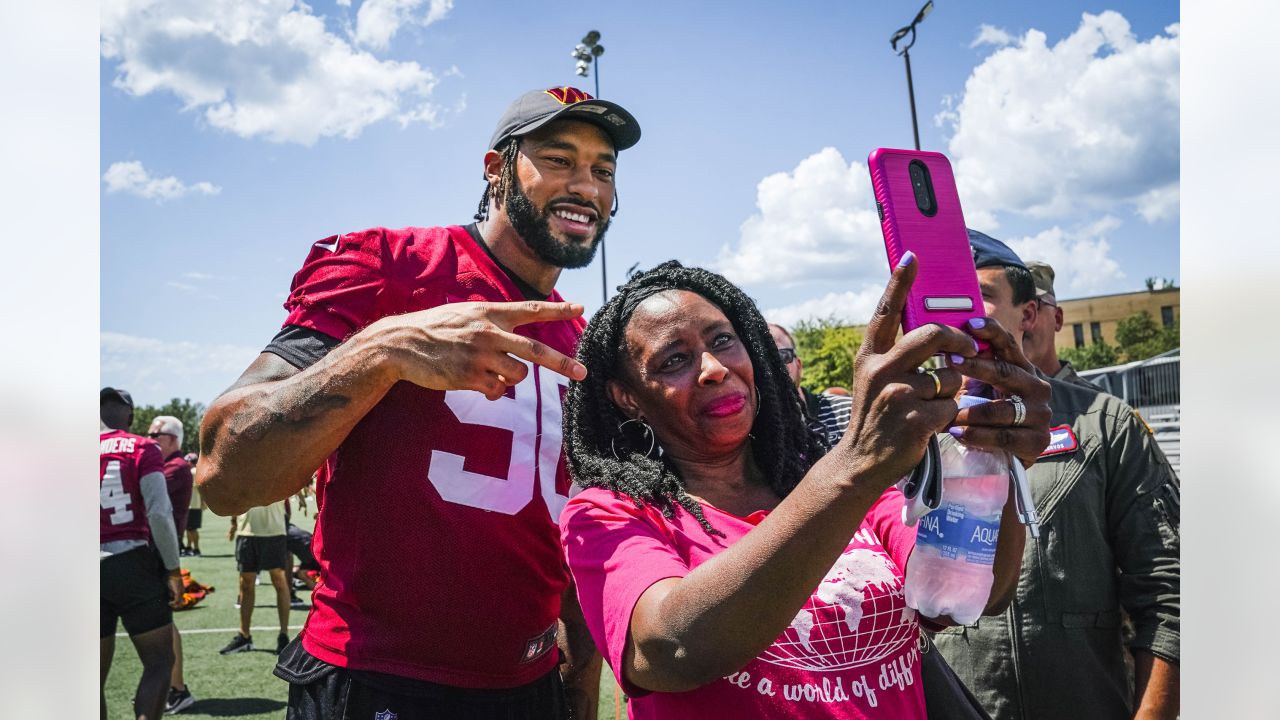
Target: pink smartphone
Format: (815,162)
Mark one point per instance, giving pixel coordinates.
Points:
(920,211)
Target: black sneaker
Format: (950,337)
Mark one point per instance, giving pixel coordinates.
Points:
(239,643)
(178,701)
(281,641)
(295,602)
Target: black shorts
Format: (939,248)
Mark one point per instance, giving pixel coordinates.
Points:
(319,691)
(300,546)
(133,590)
(193,518)
(254,554)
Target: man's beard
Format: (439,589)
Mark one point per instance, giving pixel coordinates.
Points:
(535,228)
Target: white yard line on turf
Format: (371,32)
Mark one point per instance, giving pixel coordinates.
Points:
(202,631)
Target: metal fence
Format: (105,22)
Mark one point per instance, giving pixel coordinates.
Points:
(1153,388)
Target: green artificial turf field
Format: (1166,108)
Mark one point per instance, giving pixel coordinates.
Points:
(239,685)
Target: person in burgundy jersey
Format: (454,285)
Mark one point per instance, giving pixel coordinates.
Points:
(138,588)
(167,431)
(421,370)
(728,564)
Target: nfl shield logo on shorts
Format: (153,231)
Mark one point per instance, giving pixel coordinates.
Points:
(385,715)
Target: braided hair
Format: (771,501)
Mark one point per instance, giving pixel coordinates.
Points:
(603,452)
(510,152)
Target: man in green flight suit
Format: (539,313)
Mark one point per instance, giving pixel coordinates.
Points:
(1109,539)
(1038,342)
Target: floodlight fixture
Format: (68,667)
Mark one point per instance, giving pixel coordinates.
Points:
(901,33)
(924,11)
(898,35)
(586,51)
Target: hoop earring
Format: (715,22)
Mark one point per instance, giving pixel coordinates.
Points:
(648,431)
(757,389)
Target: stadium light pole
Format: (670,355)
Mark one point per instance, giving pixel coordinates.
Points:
(585,52)
(901,33)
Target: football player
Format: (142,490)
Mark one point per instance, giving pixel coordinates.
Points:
(137,587)
(422,370)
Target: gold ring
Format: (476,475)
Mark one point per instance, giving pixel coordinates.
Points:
(937,382)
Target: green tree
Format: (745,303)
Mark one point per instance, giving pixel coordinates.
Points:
(1138,337)
(1098,354)
(827,350)
(190,413)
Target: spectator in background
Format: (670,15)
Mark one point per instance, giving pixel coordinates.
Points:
(261,544)
(302,573)
(1039,342)
(828,411)
(195,512)
(1109,538)
(135,513)
(167,431)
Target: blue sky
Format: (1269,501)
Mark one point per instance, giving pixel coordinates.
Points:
(233,136)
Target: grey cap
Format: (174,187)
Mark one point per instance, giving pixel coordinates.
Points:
(990,252)
(536,108)
(110,393)
(1042,272)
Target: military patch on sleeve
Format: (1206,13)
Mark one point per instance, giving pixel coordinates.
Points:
(1061,441)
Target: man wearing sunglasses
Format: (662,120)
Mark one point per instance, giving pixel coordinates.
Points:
(421,369)
(827,412)
(1039,341)
(167,431)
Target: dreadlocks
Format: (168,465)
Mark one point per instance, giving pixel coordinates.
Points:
(510,152)
(594,434)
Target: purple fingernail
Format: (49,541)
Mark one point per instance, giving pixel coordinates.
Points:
(977,323)
(956,432)
(975,346)
(907,258)
(957,359)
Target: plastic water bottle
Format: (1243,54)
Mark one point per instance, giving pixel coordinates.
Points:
(950,571)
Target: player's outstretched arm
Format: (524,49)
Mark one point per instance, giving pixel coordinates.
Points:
(261,439)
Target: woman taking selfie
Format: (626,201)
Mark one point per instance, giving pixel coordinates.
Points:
(727,562)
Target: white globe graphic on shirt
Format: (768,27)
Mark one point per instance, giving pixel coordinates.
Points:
(851,620)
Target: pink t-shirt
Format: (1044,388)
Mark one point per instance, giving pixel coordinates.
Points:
(851,652)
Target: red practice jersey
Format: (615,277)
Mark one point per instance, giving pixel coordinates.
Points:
(436,532)
(125,460)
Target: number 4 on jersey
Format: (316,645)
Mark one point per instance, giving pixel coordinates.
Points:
(112,495)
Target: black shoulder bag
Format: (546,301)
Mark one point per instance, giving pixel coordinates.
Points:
(945,697)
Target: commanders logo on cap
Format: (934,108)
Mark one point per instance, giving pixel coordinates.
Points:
(566,95)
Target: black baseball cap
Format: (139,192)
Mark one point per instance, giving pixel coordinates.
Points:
(536,108)
(990,252)
(110,393)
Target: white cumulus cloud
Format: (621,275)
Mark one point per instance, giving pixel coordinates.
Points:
(131,177)
(991,35)
(266,69)
(849,307)
(1081,257)
(1088,125)
(817,222)
(155,370)
(378,21)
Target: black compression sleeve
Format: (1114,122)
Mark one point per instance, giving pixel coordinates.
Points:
(301,347)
